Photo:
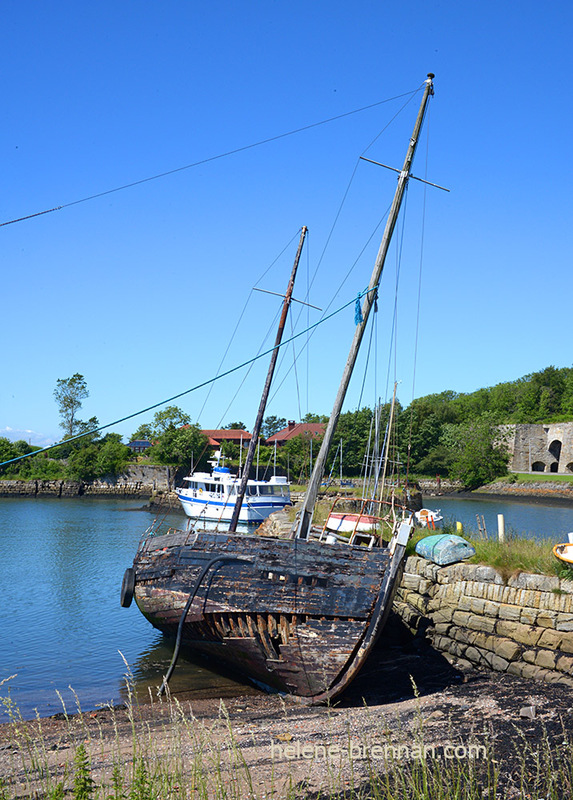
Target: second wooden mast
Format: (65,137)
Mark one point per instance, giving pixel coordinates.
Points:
(259,420)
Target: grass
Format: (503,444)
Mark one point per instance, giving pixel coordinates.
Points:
(538,477)
(173,755)
(517,554)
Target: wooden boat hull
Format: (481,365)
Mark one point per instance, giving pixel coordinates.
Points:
(348,523)
(296,615)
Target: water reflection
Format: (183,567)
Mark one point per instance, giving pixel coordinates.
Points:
(61,623)
(192,676)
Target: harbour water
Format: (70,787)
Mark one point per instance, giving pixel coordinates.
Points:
(61,624)
(534,519)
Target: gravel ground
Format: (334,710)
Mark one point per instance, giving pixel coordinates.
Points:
(406,691)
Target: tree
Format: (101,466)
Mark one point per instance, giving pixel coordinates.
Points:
(235,426)
(113,456)
(354,429)
(272,425)
(69,393)
(178,446)
(478,453)
(170,417)
(82,463)
(175,439)
(144,432)
(315,418)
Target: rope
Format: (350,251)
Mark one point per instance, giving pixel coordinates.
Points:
(187,391)
(211,158)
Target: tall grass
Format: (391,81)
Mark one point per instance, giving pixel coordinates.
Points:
(516,554)
(167,753)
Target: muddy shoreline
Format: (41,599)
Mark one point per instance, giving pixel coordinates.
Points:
(406,690)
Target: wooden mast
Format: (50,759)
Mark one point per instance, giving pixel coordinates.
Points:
(302,527)
(266,389)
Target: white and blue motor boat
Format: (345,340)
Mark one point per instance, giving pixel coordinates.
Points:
(212,496)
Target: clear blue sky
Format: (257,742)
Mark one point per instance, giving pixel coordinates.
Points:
(140,290)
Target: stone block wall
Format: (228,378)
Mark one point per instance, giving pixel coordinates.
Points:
(523,626)
(540,448)
(137,481)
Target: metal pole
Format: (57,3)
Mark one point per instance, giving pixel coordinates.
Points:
(259,420)
(303,525)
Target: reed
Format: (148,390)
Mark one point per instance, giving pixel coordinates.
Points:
(167,753)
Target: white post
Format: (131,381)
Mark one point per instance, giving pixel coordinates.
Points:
(500,528)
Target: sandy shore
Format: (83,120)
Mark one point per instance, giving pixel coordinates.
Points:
(406,694)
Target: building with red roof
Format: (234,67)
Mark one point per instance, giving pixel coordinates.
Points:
(217,436)
(294,429)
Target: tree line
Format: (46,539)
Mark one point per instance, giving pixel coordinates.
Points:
(448,434)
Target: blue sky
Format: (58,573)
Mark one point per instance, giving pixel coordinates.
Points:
(140,290)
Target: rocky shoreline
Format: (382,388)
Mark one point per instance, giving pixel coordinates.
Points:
(138,481)
(541,490)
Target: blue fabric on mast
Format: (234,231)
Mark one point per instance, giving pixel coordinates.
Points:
(358,318)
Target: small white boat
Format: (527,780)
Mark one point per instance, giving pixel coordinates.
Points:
(212,496)
(348,523)
(427,518)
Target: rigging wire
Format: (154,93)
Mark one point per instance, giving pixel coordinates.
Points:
(295,370)
(192,389)
(260,278)
(305,346)
(372,326)
(248,372)
(334,296)
(343,201)
(209,159)
(329,237)
(419,300)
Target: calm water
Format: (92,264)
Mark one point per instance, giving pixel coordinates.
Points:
(530,519)
(61,623)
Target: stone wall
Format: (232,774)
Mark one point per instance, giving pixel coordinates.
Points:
(523,626)
(137,481)
(541,448)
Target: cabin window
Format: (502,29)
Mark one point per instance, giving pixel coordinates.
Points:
(251,490)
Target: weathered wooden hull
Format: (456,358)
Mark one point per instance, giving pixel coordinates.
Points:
(296,615)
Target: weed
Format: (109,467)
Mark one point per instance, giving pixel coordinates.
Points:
(84,785)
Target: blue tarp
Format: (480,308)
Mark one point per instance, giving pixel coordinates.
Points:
(444,549)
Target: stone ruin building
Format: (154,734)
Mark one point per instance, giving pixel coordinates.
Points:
(541,448)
